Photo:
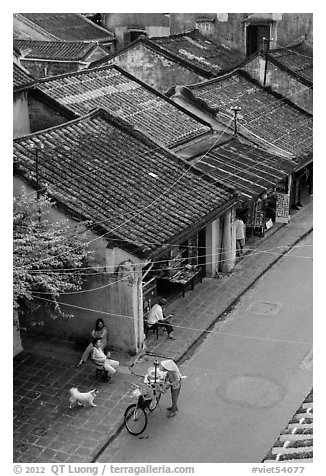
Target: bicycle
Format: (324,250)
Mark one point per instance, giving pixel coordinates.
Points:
(136,415)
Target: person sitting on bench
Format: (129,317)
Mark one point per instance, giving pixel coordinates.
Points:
(100,358)
(156,316)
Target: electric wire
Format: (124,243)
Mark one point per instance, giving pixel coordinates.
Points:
(230,174)
(175,326)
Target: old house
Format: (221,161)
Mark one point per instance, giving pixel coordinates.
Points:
(49,58)
(156,220)
(262,179)
(240,31)
(288,71)
(61,27)
(127,27)
(163,62)
(122,95)
(260,116)
(247,30)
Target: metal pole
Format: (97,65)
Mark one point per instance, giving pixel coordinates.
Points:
(235,109)
(266,49)
(37,176)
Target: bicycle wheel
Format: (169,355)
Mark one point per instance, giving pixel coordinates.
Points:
(154,403)
(135,419)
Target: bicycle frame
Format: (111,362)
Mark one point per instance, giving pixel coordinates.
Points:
(135,416)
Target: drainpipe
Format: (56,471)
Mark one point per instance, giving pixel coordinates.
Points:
(266,49)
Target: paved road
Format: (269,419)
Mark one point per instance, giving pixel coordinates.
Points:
(244,382)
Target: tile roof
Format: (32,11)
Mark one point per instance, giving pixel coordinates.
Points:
(123,95)
(69,26)
(198,50)
(134,190)
(263,113)
(21,77)
(249,169)
(297,58)
(54,50)
(295,443)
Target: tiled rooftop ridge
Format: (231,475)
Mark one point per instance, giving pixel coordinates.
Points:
(295,443)
(200,51)
(21,77)
(123,95)
(263,112)
(60,50)
(69,26)
(119,176)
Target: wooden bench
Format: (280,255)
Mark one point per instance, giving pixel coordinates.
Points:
(148,327)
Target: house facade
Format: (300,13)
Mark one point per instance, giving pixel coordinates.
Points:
(241,31)
(121,94)
(287,71)
(147,206)
(258,116)
(163,62)
(127,27)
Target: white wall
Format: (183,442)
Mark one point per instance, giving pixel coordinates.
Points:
(21,116)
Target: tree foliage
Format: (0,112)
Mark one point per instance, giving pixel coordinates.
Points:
(47,255)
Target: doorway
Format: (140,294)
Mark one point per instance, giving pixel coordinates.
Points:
(254,38)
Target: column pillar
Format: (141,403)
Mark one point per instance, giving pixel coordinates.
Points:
(228,243)
(212,248)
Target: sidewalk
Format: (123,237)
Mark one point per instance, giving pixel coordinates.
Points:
(46,430)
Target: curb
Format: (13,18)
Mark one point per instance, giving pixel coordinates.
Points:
(112,437)
(203,335)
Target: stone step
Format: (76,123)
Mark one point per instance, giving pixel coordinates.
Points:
(295,437)
(287,451)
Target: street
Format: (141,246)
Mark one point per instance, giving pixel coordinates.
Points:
(244,382)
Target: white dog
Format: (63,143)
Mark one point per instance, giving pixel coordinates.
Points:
(82,398)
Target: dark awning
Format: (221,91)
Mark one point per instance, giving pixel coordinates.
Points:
(250,170)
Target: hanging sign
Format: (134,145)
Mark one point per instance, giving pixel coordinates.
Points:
(282,213)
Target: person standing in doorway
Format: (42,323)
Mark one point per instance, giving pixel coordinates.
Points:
(156,316)
(240,234)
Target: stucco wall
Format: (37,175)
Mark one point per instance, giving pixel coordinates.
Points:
(22,29)
(293,26)
(154,69)
(107,297)
(113,297)
(21,124)
(281,82)
(43,116)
